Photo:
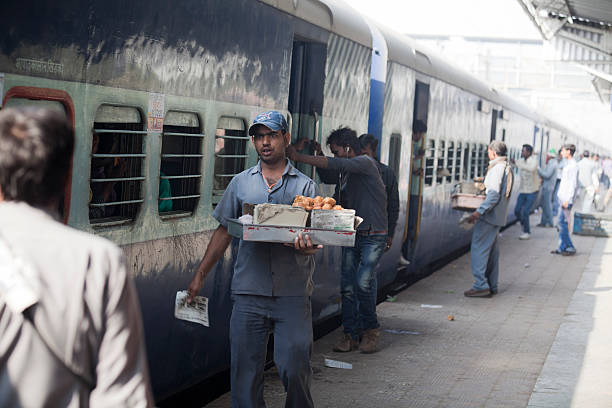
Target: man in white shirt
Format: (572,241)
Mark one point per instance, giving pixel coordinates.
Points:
(588,181)
(566,194)
(530,185)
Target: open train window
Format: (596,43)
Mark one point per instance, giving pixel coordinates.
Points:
(458,157)
(181,163)
(450,161)
(395,146)
(230,154)
(117,156)
(430,162)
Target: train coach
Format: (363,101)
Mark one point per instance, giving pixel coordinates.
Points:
(163,92)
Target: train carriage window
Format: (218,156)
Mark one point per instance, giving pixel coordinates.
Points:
(458,157)
(181,162)
(466,161)
(116,165)
(230,153)
(441,162)
(474,161)
(450,161)
(395,146)
(483,159)
(430,162)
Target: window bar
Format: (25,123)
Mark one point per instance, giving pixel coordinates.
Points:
(115,203)
(104,180)
(120,131)
(233,137)
(113,155)
(180,177)
(179,197)
(165,156)
(200,135)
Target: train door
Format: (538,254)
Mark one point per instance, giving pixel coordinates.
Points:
(306,93)
(51,99)
(416,176)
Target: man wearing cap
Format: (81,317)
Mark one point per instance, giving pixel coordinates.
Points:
(272,282)
(549,179)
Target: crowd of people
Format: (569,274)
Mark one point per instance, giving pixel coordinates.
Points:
(75,335)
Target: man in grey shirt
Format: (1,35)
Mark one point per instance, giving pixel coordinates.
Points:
(70,326)
(360,187)
(272,283)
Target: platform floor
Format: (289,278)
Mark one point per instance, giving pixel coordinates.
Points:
(545,340)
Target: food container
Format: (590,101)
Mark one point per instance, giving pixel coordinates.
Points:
(333,219)
(466,202)
(467,196)
(284,234)
(279,214)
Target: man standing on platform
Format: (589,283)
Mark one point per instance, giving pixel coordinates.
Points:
(360,187)
(588,182)
(549,179)
(566,195)
(369,144)
(530,185)
(489,218)
(272,283)
(70,326)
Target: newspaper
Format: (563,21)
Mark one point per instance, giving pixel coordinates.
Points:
(196,312)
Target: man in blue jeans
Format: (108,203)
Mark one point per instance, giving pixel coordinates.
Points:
(566,195)
(530,185)
(360,187)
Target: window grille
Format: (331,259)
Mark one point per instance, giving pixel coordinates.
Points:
(395,146)
(181,163)
(474,161)
(230,154)
(450,160)
(440,161)
(430,162)
(466,162)
(458,156)
(116,165)
(483,159)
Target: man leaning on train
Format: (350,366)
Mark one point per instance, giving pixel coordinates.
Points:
(70,328)
(272,283)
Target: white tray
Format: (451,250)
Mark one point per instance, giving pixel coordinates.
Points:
(279,234)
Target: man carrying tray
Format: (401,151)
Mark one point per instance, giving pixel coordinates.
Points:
(272,282)
(359,187)
(489,218)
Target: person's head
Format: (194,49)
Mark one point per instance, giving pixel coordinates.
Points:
(36,147)
(595,157)
(527,151)
(586,154)
(551,154)
(419,128)
(270,136)
(343,142)
(497,148)
(568,150)
(369,144)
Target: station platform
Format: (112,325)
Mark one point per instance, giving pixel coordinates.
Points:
(542,341)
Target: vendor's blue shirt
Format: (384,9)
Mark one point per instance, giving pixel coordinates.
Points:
(267,269)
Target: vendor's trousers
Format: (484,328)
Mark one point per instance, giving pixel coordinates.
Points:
(358,283)
(484,256)
(253,319)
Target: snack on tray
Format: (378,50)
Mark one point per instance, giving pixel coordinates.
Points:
(279,214)
(317,203)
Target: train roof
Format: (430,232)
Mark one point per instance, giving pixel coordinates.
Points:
(340,18)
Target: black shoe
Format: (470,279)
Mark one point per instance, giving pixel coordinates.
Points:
(493,291)
(556,252)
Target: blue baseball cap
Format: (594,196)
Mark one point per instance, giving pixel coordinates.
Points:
(271,119)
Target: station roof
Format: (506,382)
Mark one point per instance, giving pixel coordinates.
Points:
(581,31)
